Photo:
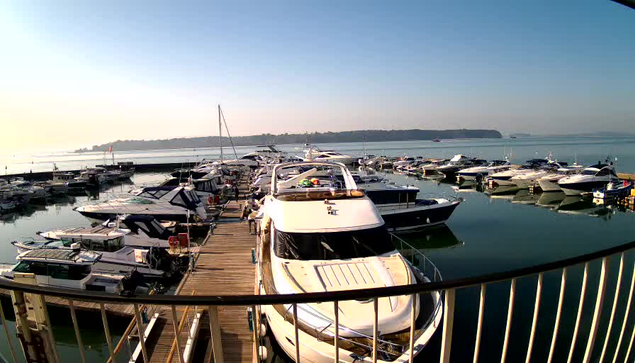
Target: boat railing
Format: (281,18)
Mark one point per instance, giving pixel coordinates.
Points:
(601,333)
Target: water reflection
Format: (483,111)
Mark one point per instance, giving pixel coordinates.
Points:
(434,238)
(550,200)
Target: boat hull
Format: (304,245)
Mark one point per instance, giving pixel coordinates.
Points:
(399,218)
(104,216)
(549,186)
(583,187)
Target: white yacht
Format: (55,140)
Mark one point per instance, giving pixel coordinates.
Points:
(323,237)
(593,177)
(64,268)
(549,182)
(504,178)
(483,171)
(315,154)
(527,180)
(115,256)
(179,204)
(458,163)
(139,231)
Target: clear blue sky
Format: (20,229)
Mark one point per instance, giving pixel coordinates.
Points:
(78,73)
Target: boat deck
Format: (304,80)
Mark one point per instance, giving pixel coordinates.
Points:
(93,230)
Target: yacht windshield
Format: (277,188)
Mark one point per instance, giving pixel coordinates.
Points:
(589,172)
(334,245)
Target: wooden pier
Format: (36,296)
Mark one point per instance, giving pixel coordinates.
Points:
(224,266)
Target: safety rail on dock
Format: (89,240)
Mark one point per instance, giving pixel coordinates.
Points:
(594,344)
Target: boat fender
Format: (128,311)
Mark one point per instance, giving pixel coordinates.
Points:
(263,353)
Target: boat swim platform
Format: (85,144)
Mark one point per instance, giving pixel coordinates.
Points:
(223,267)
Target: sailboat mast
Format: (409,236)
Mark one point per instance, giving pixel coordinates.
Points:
(220,135)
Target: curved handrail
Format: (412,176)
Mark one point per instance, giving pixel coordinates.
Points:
(313,297)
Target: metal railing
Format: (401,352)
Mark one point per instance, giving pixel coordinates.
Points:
(610,336)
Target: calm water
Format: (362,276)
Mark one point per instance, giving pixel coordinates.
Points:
(485,234)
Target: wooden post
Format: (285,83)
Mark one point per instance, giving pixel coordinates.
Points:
(215,334)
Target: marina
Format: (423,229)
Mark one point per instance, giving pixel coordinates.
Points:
(225,258)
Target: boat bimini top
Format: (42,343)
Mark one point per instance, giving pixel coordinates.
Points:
(313,176)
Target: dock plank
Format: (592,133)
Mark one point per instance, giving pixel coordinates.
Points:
(223,267)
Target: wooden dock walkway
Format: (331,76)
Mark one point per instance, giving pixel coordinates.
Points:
(224,267)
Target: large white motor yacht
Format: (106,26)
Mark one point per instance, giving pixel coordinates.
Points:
(315,154)
(593,177)
(549,182)
(492,167)
(322,235)
(171,204)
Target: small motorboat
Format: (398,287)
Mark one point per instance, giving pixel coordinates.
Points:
(418,214)
(68,268)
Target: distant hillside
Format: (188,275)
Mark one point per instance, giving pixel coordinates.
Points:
(316,138)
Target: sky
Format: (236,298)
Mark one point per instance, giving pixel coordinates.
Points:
(78,73)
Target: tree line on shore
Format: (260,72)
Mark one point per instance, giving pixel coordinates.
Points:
(314,138)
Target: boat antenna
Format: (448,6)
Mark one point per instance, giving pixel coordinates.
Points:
(364,144)
(220,135)
(228,135)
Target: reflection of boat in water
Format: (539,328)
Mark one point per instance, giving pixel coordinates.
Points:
(468,186)
(502,191)
(550,200)
(434,238)
(577,205)
(523,196)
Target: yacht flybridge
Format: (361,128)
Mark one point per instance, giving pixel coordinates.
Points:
(178,204)
(321,233)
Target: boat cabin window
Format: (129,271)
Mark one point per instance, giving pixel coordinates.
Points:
(110,245)
(602,172)
(68,272)
(333,245)
(154,193)
(56,271)
(37,268)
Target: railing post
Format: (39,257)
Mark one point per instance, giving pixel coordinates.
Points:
(104,320)
(6,333)
(613,308)
(563,283)
(215,333)
(479,323)
(375,327)
(177,334)
(535,318)
(336,343)
(296,333)
(599,302)
(510,312)
(448,322)
(413,320)
(141,333)
(579,317)
(626,313)
(78,335)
